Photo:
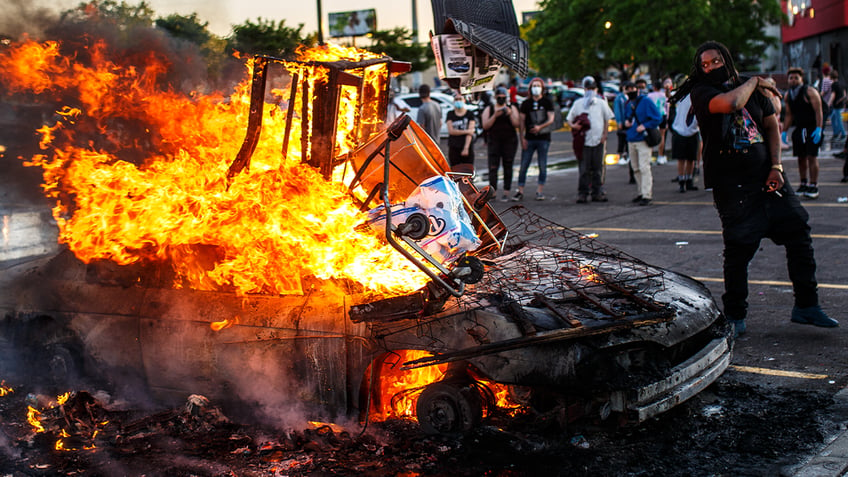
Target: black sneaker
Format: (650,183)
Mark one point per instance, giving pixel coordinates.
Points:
(637,199)
(802,189)
(517,197)
(582,199)
(599,198)
(645,202)
(813,315)
(812,192)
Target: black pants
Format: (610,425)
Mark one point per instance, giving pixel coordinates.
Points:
(591,170)
(749,214)
(622,141)
(501,151)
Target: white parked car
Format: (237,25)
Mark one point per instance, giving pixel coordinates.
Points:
(445,101)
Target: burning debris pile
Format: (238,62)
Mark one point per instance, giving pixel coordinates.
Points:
(732,430)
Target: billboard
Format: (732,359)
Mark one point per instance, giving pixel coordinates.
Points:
(355,23)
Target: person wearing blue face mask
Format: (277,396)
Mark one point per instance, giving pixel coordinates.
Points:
(804,111)
(461,127)
(535,123)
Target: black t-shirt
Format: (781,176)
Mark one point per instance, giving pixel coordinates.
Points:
(536,112)
(838,95)
(459,122)
(735,147)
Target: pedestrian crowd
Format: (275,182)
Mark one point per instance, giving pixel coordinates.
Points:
(649,127)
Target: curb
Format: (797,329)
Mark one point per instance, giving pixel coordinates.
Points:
(832,461)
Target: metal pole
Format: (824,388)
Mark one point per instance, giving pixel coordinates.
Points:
(414,22)
(320,27)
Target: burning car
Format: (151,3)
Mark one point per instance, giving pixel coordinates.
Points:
(441,310)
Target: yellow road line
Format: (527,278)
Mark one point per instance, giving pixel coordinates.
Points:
(777,283)
(776,372)
(804,203)
(682,232)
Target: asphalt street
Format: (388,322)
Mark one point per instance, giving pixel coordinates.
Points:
(677,231)
(682,232)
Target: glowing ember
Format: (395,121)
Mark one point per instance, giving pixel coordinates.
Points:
(334,427)
(5,390)
(589,274)
(220,325)
(139,174)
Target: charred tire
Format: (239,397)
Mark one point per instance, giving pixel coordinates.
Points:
(446,408)
(62,364)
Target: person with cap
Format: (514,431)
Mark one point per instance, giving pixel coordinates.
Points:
(590,116)
(500,121)
(536,123)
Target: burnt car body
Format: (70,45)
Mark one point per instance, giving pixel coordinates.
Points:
(552,315)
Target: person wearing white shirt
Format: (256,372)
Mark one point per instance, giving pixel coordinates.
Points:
(591,162)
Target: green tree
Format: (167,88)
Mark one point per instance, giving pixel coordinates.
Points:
(397,43)
(266,37)
(576,37)
(188,28)
(109,11)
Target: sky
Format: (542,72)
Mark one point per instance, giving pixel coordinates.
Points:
(222,14)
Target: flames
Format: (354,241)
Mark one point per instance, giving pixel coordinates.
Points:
(138,173)
(4,389)
(61,419)
(400,389)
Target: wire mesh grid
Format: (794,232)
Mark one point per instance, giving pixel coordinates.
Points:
(543,258)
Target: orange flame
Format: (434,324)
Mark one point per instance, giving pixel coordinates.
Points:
(161,193)
(220,325)
(588,273)
(5,390)
(399,389)
(33,418)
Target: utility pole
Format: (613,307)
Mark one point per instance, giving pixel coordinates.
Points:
(416,76)
(320,27)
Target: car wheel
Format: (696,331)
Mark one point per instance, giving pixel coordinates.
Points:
(446,408)
(61,365)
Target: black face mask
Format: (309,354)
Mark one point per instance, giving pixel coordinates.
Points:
(501,100)
(718,76)
(632,94)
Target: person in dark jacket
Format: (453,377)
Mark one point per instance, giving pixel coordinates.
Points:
(742,165)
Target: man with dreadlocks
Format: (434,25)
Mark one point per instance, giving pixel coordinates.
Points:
(742,165)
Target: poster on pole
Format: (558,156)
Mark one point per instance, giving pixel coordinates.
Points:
(353,23)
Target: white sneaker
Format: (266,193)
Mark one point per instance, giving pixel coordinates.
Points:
(624,160)
(662,160)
